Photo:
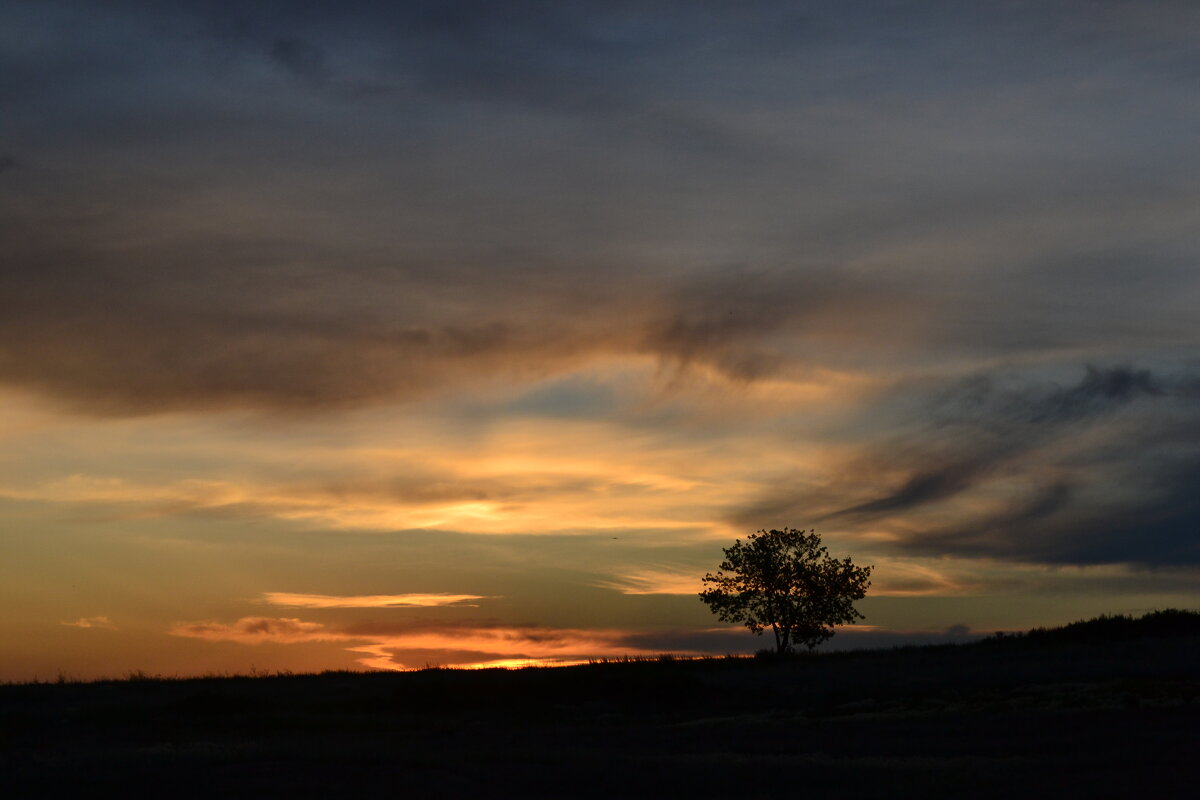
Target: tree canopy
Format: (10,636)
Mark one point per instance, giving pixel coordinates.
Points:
(786,580)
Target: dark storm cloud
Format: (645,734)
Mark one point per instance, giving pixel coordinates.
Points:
(924,487)
(1097,390)
(1158,527)
(1006,400)
(1102,471)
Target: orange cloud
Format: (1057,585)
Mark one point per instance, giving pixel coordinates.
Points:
(91,622)
(257,630)
(430,600)
(415,645)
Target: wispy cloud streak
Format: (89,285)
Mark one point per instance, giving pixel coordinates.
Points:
(92,622)
(370,600)
(415,644)
(1089,473)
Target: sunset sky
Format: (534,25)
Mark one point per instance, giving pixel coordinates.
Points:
(377,335)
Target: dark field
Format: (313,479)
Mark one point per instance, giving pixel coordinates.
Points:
(1102,714)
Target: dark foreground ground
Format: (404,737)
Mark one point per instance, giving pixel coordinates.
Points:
(1018,717)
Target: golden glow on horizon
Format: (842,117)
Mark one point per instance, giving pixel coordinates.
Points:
(521,663)
(493,647)
(382,657)
(383,649)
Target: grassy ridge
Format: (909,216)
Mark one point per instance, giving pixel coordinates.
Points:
(1171,623)
(1105,707)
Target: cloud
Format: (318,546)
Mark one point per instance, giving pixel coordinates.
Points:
(257,630)
(381,656)
(303,59)
(524,482)
(693,641)
(1153,524)
(522,193)
(655,581)
(911,577)
(1099,390)
(1002,467)
(92,622)
(371,600)
(103,362)
(7,162)
(415,643)
(126,342)
(922,488)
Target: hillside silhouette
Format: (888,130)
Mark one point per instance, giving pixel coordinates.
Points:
(1120,627)
(1099,708)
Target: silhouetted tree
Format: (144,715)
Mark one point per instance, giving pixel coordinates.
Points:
(787,581)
